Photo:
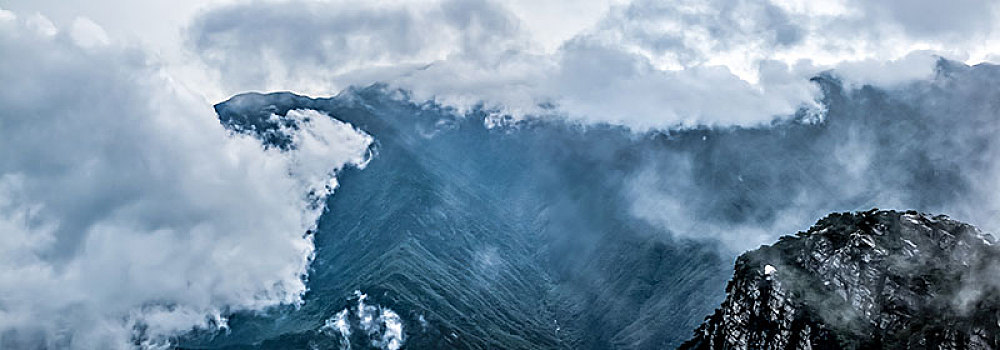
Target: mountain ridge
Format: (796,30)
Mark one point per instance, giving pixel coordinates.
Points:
(549,233)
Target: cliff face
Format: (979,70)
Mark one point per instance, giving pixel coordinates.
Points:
(876,279)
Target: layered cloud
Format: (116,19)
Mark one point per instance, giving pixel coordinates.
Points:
(645,64)
(127,212)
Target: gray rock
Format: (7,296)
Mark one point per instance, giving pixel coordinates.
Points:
(866,280)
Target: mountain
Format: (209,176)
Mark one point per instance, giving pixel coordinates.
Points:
(471,230)
(479,238)
(865,280)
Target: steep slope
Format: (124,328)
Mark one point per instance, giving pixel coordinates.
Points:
(481,232)
(411,233)
(867,280)
(478,238)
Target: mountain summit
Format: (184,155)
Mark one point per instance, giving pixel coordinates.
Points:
(866,280)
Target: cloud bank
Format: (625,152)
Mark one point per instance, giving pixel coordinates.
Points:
(645,64)
(927,145)
(650,65)
(128,213)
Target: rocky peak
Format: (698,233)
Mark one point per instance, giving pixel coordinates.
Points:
(875,279)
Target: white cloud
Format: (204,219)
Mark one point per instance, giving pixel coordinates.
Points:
(918,65)
(88,34)
(7,16)
(927,145)
(41,24)
(463,53)
(961,20)
(128,213)
(262,46)
(517,55)
(122,200)
(644,64)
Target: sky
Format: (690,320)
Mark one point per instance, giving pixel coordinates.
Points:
(114,168)
(517,55)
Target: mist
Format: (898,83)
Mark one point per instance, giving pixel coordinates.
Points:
(615,171)
(630,224)
(926,145)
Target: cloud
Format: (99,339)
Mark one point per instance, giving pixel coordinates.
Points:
(128,212)
(654,65)
(126,208)
(915,66)
(954,20)
(645,64)
(257,45)
(926,145)
(510,55)
(464,53)
(86,33)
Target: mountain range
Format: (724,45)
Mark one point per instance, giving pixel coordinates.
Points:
(475,230)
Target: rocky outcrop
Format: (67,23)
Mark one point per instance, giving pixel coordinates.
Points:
(867,280)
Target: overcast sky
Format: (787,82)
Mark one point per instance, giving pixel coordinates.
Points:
(518,54)
(119,189)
